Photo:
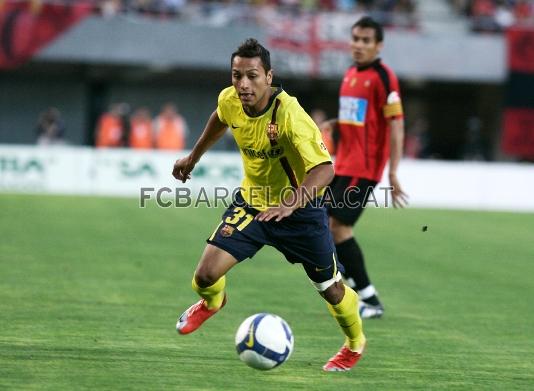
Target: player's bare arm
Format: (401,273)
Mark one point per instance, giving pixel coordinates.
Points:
(213,131)
(399,197)
(316,179)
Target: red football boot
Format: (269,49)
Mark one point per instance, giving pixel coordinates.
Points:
(195,315)
(344,360)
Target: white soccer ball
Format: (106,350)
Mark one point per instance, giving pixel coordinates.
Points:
(264,341)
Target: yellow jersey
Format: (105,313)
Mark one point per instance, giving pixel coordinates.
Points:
(298,139)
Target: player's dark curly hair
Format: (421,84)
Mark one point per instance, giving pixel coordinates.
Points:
(252,48)
(368,22)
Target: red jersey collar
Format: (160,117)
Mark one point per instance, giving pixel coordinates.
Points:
(373,63)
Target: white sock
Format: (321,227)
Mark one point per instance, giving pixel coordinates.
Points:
(367,292)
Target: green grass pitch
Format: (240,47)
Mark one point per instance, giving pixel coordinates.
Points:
(90,289)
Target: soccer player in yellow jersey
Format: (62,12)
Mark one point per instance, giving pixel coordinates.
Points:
(282,149)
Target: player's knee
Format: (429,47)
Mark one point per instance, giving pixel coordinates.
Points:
(205,277)
(332,290)
(336,235)
(340,231)
(334,293)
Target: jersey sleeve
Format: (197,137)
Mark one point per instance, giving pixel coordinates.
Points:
(306,137)
(392,99)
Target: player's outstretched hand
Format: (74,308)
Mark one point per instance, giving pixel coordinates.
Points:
(277,213)
(182,168)
(398,196)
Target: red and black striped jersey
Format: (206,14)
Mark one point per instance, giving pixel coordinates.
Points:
(369,97)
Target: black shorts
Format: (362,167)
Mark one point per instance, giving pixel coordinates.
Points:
(350,194)
(303,237)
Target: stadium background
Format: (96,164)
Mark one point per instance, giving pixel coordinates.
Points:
(449,73)
(467,77)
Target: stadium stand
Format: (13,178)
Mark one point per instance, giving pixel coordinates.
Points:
(392,13)
(495,15)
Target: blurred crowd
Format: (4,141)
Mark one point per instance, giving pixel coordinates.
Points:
(50,127)
(485,15)
(496,15)
(391,12)
(119,127)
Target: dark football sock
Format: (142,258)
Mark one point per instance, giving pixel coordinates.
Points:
(351,257)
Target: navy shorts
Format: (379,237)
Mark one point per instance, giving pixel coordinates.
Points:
(350,195)
(303,237)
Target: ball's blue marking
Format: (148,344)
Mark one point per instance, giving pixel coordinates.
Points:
(287,331)
(278,358)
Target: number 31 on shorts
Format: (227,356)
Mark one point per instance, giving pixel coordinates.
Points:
(240,216)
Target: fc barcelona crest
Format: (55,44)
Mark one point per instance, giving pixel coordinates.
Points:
(226,230)
(272,132)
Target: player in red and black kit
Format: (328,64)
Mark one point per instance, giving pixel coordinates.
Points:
(369,130)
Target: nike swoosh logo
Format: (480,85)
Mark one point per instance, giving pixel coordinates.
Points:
(234,127)
(250,342)
(321,270)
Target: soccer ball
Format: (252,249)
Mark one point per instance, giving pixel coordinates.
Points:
(264,341)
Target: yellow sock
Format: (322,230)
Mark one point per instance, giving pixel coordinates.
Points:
(348,318)
(214,294)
